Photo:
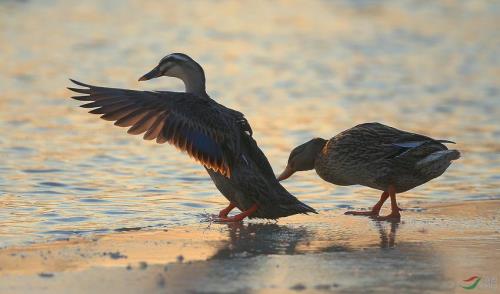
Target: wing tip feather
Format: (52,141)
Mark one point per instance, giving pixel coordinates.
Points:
(77,90)
(79,83)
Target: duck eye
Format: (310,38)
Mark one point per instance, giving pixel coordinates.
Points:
(164,66)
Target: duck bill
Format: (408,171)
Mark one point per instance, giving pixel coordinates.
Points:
(154,73)
(286,174)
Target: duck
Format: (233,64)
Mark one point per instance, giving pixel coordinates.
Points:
(217,137)
(376,156)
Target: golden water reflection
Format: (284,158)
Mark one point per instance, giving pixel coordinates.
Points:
(295,71)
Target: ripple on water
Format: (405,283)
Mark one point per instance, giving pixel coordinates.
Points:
(128,229)
(21,149)
(153,219)
(52,184)
(73,232)
(482,196)
(85,189)
(193,179)
(104,158)
(48,192)
(50,214)
(71,219)
(93,200)
(194,204)
(156,191)
(42,170)
(116,212)
(63,232)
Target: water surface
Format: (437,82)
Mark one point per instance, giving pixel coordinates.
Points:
(296,71)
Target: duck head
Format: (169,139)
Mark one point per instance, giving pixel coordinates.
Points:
(180,66)
(303,157)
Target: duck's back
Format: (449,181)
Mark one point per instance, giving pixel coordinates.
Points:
(376,155)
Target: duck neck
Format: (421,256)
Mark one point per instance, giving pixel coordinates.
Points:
(194,81)
(318,145)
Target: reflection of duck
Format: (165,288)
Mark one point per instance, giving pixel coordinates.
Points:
(276,258)
(387,240)
(247,240)
(376,156)
(216,136)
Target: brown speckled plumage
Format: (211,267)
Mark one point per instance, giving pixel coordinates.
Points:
(376,155)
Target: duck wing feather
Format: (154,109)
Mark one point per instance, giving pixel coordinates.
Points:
(206,130)
(380,142)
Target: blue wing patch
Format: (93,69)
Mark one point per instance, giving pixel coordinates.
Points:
(202,143)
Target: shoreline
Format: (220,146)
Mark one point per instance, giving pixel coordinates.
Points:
(446,236)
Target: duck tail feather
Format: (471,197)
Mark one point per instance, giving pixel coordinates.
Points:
(296,208)
(439,158)
(307,209)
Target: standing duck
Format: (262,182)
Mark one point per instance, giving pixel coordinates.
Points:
(216,136)
(376,156)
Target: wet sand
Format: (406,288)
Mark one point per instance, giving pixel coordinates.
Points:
(433,249)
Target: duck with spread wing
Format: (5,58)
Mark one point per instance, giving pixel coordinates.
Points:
(218,137)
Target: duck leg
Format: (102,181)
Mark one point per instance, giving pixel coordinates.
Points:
(227,210)
(375,209)
(238,217)
(394,215)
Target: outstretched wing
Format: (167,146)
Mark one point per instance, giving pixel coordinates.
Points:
(191,123)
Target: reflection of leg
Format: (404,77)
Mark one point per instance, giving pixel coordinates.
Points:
(238,217)
(387,241)
(383,235)
(392,234)
(376,208)
(394,215)
(225,211)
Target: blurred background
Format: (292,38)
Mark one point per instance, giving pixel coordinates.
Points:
(297,69)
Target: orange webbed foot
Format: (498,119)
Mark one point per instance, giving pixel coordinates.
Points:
(393,216)
(236,218)
(375,209)
(223,213)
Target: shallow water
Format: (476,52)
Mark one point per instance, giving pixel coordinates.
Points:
(295,71)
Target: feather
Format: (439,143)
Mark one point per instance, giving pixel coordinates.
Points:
(446,141)
(411,144)
(144,124)
(193,124)
(131,118)
(118,113)
(156,128)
